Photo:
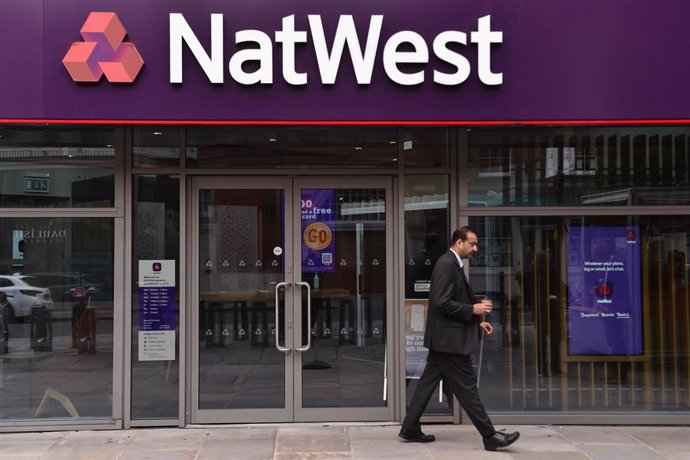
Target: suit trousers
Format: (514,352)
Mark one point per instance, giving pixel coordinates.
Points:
(457,371)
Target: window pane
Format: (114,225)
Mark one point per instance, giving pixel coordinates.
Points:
(155,236)
(426,239)
(426,147)
(636,166)
(591,314)
(56,346)
(55,167)
(292,147)
(155,146)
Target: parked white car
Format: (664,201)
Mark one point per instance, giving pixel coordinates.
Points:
(22,294)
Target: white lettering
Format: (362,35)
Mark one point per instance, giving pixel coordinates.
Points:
(179,31)
(329,55)
(289,37)
(264,55)
(345,33)
(392,57)
(484,38)
(460,62)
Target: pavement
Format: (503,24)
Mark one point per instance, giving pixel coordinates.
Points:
(316,441)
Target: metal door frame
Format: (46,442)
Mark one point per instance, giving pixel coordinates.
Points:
(254,415)
(343,414)
(293,411)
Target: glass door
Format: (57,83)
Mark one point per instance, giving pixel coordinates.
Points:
(242,362)
(343,267)
(292,302)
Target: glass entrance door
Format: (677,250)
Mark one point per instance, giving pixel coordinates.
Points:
(292,300)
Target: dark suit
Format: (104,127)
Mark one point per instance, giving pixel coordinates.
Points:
(452,334)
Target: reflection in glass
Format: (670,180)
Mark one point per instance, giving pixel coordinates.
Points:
(55,167)
(292,147)
(241,259)
(56,340)
(575,301)
(155,236)
(426,147)
(155,146)
(426,239)
(623,166)
(345,366)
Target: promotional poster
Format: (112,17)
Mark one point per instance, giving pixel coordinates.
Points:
(318,230)
(605,308)
(415,323)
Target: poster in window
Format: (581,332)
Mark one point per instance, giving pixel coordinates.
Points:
(604,293)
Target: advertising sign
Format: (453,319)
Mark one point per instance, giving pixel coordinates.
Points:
(605,308)
(318,230)
(157,320)
(415,323)
(310,60)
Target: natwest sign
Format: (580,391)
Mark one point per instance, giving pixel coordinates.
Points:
(400,49)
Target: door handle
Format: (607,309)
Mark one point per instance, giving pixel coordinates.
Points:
(278,346)
(308,346)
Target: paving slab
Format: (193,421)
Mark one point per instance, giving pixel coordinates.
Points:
(608,435)
(244,443)
(98,445)
(316,439)
(20,447)
(668,439)
(617,452)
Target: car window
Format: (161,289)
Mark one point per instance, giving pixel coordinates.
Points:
(4,282)
(27,280)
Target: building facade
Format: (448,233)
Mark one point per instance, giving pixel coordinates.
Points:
(219,213)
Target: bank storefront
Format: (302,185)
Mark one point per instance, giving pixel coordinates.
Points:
(230,213)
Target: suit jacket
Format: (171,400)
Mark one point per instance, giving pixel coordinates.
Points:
(451,325)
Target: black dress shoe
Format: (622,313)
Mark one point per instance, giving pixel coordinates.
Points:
(416,436)
(500,439)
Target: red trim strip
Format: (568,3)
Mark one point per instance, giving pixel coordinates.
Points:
(683,121)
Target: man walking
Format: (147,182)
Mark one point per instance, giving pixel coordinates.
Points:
(452,334)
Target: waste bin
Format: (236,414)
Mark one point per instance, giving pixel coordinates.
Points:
(41,329)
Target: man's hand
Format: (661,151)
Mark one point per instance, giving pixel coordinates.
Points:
(487,327)
(482,308)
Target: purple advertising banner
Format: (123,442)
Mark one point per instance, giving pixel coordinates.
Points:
(605,308)
(314,61)
(318,230)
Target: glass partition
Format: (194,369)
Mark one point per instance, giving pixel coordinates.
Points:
(56,340)
(292,147)
(427,220)
(156,146)
(586,166)
(155,236)
(57,167)
(591,314)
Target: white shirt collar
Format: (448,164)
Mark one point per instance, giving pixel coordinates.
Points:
(457,257)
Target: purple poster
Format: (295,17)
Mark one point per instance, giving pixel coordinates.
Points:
(318,225)
(157,308)
(605,308)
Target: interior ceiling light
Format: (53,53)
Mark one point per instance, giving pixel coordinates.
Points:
(273,140)
(157,133)
(358,148)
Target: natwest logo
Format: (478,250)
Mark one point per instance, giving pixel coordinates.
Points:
(402,48)
(103,52)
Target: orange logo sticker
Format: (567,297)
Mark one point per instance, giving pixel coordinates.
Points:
(317,236)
